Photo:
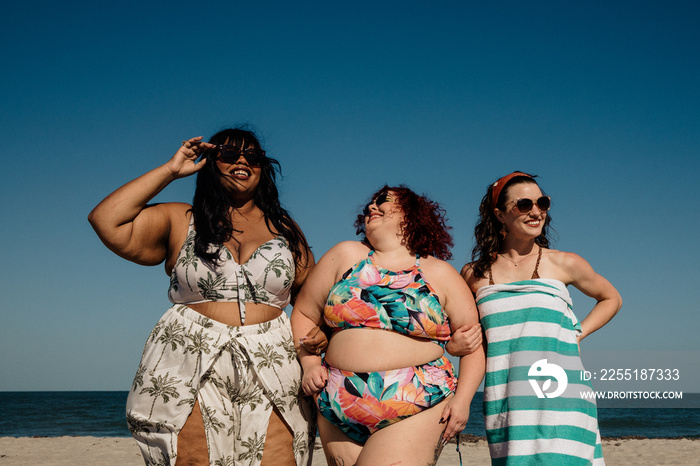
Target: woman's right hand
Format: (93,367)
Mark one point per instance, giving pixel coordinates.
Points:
(314,379)
(316,341)
(184,162)
(138,232)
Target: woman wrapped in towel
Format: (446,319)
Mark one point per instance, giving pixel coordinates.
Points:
(534,409)
(385,391)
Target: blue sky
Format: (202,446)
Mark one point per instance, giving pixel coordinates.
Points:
(601,99)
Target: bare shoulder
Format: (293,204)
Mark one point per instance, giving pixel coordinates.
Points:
(178,216)
(178,211)
(467,272)
(347,249)
(468,276)
(343,255)
(564,260)
(568,267)
(329,269)
(161,224)
(454,295)
(433,265)
(440,274)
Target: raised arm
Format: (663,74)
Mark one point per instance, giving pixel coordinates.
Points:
(581,275)
(129,227)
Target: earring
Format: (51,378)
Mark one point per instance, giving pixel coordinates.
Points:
(503,232)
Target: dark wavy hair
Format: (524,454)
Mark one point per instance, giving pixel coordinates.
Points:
(212,202)
(425,231)
(487,231)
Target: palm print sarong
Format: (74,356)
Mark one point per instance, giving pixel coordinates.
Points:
(237,374)
(361,403)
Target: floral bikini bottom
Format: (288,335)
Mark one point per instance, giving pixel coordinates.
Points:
(361,403)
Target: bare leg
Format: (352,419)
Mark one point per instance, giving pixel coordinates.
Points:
(413,441)
(278,443)
(192,447)
(192,442)
(340,449)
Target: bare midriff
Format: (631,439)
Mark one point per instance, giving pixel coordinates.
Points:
(376,350)
(227,312)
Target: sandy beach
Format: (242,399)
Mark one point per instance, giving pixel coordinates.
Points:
(124,452)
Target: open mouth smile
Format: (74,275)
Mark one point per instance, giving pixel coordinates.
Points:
(241,173)
(373,216)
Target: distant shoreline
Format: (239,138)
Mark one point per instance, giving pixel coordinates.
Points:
(51,414)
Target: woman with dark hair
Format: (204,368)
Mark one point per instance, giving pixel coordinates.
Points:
(219,380)
(532,335)
(395,280)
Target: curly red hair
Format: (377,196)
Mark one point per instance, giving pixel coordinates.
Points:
(425,230)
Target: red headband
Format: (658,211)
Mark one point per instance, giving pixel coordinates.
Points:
(498,185)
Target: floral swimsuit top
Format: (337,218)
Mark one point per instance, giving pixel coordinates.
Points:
(372,297)
(265,278)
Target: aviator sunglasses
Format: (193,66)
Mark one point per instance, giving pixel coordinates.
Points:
(231,154)
(524,206)
(379,200)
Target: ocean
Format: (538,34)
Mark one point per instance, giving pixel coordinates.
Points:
(101,414)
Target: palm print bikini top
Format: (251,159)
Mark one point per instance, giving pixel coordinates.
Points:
(265,278)
(374,297)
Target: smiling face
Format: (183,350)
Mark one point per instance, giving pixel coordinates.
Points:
(522,224)
(383,213)
(237,172)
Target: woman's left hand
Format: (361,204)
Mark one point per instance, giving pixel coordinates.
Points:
(465,340)
(456,414)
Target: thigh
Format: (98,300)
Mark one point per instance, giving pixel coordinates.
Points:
(278,449)
(192,447)
(416,440)
(340,450)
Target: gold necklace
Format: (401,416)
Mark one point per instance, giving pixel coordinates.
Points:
(514,262)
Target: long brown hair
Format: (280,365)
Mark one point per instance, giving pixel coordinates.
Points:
(211,204)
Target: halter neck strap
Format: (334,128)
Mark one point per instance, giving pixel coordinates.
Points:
(371,253)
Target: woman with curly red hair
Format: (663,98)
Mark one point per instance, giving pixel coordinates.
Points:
(395,279)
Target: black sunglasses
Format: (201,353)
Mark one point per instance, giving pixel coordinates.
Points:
(231,154)
(524,206)
(379,200)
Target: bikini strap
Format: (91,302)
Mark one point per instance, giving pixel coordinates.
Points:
(417,261)
(535,273)
(369,260)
